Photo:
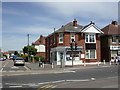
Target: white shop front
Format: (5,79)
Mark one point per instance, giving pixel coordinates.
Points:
(63,55)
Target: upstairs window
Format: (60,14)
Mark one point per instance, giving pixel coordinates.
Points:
(90,38)
(72,37)
(113,39)
(61,38)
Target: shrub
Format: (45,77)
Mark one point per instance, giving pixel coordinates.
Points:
(25,58)
(37,58)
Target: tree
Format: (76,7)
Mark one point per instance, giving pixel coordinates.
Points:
(16,53)
(29,50)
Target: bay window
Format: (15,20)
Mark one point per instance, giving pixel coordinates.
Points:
(91,54)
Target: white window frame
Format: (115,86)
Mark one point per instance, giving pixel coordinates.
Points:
(60,34)
(114,38)
(89,54)
(89,38)
(72,34)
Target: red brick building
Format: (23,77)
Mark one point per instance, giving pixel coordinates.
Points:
(110,41)
(40,46)
(87,39)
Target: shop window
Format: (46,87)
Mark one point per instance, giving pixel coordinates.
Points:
(75,55)
(91,54)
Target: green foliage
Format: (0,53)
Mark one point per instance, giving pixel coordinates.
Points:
(16,53)
(25,58)
(37,58)
(5,55)
(29,50)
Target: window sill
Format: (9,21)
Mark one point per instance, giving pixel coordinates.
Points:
(90,58)
(90,42)
(60,42)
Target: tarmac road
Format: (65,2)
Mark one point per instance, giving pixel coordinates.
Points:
(56,79)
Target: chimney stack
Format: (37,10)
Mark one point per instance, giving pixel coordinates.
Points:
(75,22)
(114,23)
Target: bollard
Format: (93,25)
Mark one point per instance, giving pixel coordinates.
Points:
(40,64)
(43,65)
(104,62)
(84,63)
(98,63)
(52,65)
(110,62)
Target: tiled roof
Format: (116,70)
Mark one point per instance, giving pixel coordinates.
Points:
(70,28)
(111,29)
(41,40)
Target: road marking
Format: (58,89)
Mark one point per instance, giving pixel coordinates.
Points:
(58,81)
(5,64)
(46,87)
(105,66)
(77,80)
(93,79)
(2,69)
(15,86)
(14,67)
(69,71)
(27,68)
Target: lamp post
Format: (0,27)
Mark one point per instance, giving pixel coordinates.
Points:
(28,48)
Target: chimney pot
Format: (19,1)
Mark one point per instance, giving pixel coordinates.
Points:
(114,23)
(75,22)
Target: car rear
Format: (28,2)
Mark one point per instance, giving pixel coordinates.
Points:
(19,61)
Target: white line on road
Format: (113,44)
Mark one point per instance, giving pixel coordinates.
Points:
(69,71)
(1,69)
(15,86)
(5,64)
(93,79)
(58,81)
(77,80)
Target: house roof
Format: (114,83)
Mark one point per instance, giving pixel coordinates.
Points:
(91,28)
(112,29)
(41,40)
(70,28)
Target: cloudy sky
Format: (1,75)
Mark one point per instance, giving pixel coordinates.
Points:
(40,18)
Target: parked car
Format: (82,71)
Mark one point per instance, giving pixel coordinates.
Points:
(19,61)
(2,58)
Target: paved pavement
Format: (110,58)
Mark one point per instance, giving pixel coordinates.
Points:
(35,66)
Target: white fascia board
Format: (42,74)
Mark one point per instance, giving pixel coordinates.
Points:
(92,29)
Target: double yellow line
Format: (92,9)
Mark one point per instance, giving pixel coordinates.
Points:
(46,87)
(27,68)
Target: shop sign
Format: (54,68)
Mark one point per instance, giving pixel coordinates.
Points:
(114,47)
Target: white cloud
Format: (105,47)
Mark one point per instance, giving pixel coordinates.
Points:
(84,9)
